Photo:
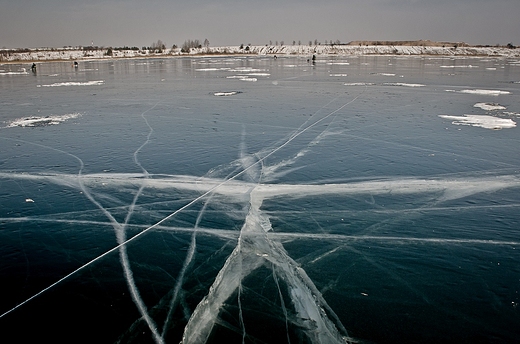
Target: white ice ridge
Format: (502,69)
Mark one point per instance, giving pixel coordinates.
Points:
(449,188)
(73,83)
(35,121)
(483,121)
(253,250)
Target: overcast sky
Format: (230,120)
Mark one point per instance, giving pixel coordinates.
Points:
(57,23)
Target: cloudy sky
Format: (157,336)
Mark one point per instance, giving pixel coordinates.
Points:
(57,23)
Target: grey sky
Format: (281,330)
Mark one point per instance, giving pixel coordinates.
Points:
(57,23)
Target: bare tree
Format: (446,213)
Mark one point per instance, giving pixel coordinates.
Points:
(206,43)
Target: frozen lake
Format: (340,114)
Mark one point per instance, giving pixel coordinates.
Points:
(261,200)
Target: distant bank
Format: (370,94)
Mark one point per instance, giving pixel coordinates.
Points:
(358,48)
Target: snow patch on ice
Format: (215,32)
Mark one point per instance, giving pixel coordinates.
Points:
(35,121)
(467,66)
(242,78)
(22,71)
(482,92)
(402,84)
(482,121)
(359,84)
(384,74)
(225,94)
(489,106)
(87,83)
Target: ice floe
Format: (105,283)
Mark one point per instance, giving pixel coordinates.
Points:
(482,121)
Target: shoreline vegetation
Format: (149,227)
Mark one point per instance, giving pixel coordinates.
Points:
(354,48)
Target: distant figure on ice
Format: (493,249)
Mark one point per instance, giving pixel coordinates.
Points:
(313,58)
(275,57)
(75,64)
(33,67)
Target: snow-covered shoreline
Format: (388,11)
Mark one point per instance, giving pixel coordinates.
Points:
(41,55)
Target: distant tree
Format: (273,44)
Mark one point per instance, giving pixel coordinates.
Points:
(315,42)
(310,43)
(293,42)
(299,42)
(276,43)
(158,47)
(511,46)
(270,42)
(109,52)
(189,44)
(282,43)
(206,43)
(241,46)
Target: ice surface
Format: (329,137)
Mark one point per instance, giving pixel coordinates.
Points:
(300,186)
